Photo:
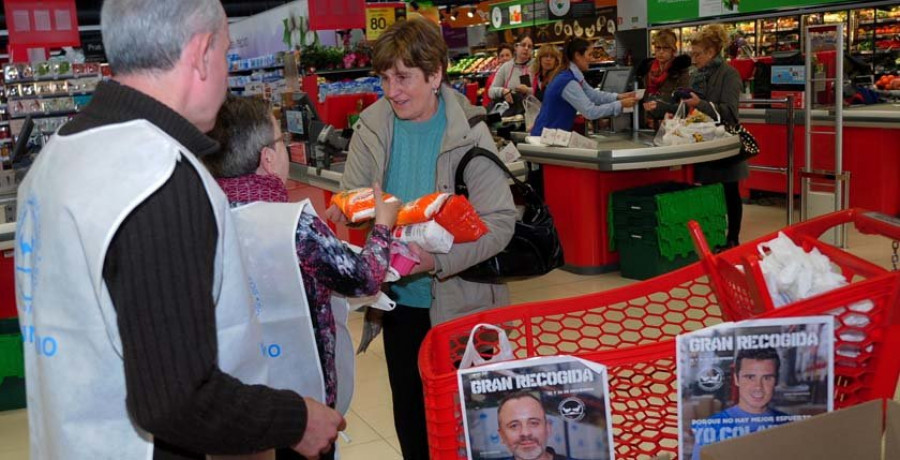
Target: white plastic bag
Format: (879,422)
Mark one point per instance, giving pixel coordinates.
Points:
(793,274)
(473,358)
(532,108)
(683,129)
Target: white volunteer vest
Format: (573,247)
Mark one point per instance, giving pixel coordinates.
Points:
(72,202)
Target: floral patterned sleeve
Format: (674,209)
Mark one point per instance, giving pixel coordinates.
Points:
(335,266)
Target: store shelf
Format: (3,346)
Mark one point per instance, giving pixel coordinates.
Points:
(44,115)
(55,96)
(878,22)
(6,141)
(340,71)
(254,69)
(54,78)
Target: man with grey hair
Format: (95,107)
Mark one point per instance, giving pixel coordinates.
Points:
(141,339)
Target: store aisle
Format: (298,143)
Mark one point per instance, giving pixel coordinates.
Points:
(370,423)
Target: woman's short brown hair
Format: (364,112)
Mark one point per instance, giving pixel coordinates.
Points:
(665,38)
(711,37)
(416,42)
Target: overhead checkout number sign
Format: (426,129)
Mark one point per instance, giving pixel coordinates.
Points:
(380,16)
(670,11)
(519,13)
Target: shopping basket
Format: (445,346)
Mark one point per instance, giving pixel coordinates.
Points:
(632,329)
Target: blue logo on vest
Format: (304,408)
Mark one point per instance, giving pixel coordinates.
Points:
(28,245)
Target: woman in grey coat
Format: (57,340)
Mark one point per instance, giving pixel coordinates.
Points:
(717,88)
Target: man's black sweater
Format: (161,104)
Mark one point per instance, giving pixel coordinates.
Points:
(159,273)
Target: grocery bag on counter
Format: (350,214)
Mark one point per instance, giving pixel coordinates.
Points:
(688,127)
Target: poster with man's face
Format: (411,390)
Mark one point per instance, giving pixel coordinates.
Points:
(546,408)
(735,379)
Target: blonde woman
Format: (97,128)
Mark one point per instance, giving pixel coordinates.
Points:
(545,67)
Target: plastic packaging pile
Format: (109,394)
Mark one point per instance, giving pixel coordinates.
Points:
(793,274)
(360,85)
(434,222)
(688,128)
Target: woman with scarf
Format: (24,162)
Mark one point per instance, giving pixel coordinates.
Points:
(716,92)
(514,77)
(252,166)
(662,75)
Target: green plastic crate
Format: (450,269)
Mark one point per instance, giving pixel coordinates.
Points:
(12,368)
(669,206)
(12,393)
(641,259)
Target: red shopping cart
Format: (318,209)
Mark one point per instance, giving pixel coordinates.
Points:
(632,329)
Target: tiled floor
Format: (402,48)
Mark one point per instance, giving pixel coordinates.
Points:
(370,423)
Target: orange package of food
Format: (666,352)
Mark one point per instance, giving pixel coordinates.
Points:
(460,219)
(421,209)
(359,204)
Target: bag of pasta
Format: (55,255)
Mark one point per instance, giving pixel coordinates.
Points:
(358,205)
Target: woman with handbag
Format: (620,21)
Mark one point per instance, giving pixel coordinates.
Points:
(662,75)
(411,141)
(720,86)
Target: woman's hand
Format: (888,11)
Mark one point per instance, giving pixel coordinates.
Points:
(623,96)
(385,213)
(650,106)
(628,102)
(334,214)
(426,259)
(507,94)
(693,101)
(523,89)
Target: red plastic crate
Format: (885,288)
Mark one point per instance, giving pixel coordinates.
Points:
(632,329)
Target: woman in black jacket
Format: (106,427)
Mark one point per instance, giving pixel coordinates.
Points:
(717,91)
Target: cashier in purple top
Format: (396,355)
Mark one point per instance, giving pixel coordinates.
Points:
(568,93)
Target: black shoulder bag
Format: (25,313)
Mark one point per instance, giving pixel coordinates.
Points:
(534,249)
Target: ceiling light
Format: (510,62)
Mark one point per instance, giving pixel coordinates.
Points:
(452,15)
(470,14)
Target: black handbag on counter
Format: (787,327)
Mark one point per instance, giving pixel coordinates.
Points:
(534,249)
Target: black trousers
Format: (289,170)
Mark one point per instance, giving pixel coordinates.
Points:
(404,330)
(735,209)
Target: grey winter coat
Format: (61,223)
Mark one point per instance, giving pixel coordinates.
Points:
(488,192)
(723,89)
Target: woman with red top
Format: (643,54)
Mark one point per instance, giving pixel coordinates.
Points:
(663,75)
(504,55)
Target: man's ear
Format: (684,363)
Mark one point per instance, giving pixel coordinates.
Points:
(200,47)
(267,159)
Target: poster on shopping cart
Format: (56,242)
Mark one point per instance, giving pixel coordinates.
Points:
(554,407)
(739,378)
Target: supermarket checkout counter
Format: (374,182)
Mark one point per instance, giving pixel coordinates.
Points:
(870,151)
(319,184)
(7,236)
(578,184)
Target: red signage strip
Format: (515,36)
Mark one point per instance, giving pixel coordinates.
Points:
(337,14)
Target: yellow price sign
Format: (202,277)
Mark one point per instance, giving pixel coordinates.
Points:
(378,19)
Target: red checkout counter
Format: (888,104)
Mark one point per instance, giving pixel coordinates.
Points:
(871,152)
(7,271)
(578,184)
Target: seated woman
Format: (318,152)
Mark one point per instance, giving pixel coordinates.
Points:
(568,94)
(252,167)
